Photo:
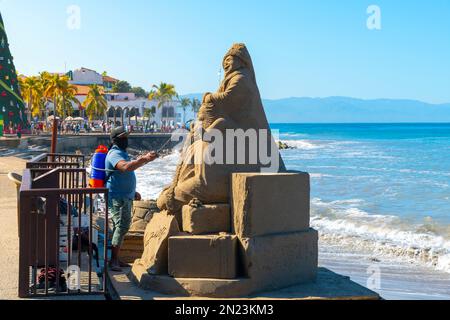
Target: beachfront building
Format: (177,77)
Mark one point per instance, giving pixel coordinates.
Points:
(123,108)
(109,82)
(85,76)
(126,108)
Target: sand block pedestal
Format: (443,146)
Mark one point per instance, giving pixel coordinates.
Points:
(207,219)
(271,247)
(277,261)
(156,239)
(143,212)
(190,287)
(137,284)
(212,256)
(132,247)
(264,204)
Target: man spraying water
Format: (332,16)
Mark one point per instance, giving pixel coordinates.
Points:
(121,182)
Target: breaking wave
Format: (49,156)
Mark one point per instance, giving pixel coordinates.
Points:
(302,144)
(344,223)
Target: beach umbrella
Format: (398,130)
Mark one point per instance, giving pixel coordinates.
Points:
(51,118)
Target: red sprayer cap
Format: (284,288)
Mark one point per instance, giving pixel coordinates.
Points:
(102,149)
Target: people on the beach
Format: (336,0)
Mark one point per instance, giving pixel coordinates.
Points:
(19,131)
(121,182)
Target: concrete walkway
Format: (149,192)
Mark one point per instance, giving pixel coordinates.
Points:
(9,241)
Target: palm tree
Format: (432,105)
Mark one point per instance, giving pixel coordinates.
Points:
(65,105)
(184,103)
(195,105)
(95,104)
(136,114)
(57,89)
(164,93)
(67,98)
(149,114)
(32,91)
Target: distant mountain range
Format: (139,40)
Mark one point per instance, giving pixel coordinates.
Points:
(348,110)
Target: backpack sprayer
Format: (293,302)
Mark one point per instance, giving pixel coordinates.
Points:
(100,175)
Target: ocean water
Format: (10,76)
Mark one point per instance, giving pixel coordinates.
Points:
(381,191)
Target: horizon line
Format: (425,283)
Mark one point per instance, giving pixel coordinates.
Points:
(346,97)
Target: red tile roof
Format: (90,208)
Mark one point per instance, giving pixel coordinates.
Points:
(84,90)
(109,79)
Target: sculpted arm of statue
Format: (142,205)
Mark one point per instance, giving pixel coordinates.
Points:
(220,124)
(234,90)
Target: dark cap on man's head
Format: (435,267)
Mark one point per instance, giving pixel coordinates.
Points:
(119,132)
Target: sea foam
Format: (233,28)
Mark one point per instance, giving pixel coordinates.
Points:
(343,222)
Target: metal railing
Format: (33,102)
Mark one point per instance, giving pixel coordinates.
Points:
(57,230)
(57,160)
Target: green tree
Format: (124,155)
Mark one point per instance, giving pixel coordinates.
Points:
(12,106)
(59,90)
(164,93)
(195,105)
(149,114)
(67,99)
(95,104)
(139,92)
(184,103)
(44,79)
(121,87)
(32,91)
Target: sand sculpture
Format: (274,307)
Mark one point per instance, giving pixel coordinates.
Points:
(234,228)
(236,105)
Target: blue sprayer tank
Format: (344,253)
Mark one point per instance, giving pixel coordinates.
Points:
(98,174)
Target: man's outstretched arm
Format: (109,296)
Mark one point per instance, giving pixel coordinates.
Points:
(130,166)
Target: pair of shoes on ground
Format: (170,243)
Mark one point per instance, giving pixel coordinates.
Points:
(118,267)
(51,286)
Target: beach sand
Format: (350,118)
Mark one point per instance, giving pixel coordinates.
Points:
(9,241)
(398,280)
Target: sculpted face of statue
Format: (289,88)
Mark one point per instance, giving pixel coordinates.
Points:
(231,63)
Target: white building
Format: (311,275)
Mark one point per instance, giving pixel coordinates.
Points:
(85,76)
(126,105)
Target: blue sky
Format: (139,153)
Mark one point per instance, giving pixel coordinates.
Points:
(300,48)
